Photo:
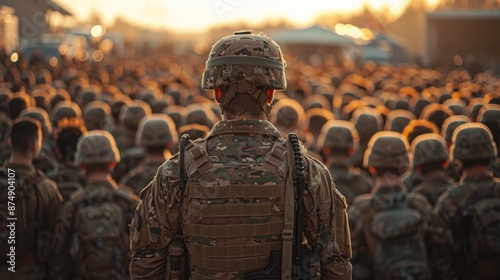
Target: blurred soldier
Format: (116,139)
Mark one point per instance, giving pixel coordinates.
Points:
(389,225)
(340,140)
(414,129)
(157,135)
(437,114)
(467,241)
(397,120)
(131,154)
(315,119)
(450,124)
(97,115)
(367,122)
(430,158)
(92,232)
(64,109)
(69,177)
(37,204)
(231,212)
(489,115)
(19,102)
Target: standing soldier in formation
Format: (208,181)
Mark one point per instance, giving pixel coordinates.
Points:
(92,232)
(389,226)
(467,236)
(340,141)
(430,158)
(157,135)
(232,201)
(37,204)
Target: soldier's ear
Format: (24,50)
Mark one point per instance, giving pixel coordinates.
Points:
(270,96)
(218,95)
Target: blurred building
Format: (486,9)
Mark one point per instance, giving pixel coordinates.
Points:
(9,38)
(34,16)
(469,39)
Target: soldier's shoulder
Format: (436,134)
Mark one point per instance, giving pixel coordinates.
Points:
(361,202)
(126,193)
(419,201)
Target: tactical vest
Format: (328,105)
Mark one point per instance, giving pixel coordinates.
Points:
(235,213)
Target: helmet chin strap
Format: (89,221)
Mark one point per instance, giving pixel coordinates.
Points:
(244,87)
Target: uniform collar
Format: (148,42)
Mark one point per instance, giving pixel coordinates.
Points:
(20,168)
(246,127)
(477,178)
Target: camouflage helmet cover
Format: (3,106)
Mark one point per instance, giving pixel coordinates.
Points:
(42,116)
(96,147)
(429,148)
(338,134)
(65,109)
(472,141)
(132,115)
(157,130)
(388,150)
(450,124)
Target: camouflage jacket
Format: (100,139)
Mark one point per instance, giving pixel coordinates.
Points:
(65,233)
(158,215)
(68,179)
(350,182)
(139,177)
(448,234)
(433,187)
(43,205)
(359,226)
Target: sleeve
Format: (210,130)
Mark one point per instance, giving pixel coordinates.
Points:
(442,237)
(156,220)
(326,225)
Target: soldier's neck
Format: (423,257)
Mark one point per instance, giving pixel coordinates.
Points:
(98,177)
(21,159)
(476,170)
(388,179)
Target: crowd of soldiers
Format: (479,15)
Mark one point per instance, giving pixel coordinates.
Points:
(412,150)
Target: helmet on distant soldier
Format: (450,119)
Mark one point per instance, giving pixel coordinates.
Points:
(429,148)
(97,147)
(245,63)
(132,115)
(157,130)
(339,135)
(65,109)
(397,120)
(388,150)
(42,116)
(450,124)
(96,114)
(472,141)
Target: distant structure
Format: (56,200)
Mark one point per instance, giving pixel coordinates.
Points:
(34,16)
(464,38)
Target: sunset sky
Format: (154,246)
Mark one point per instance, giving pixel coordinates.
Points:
(197,15)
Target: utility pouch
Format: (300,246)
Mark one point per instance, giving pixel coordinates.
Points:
(177,261)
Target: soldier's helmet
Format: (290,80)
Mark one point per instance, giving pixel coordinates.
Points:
(157,130)
(489,113)
(42,116)
(339,135)
(132,115)
(397,120)
(450,124)
(388,150)
(65,109)
(97,115)
(367,121)
(242,63)
(472,141)
(96,147)
(429,148)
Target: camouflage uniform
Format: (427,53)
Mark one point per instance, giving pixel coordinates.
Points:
(68,179)
(92,232)
(242,222)
(43,205)
(389,151)
(470,142)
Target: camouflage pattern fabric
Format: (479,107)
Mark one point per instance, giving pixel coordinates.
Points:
(433,187)
(361,217)
(350,182)
(159,214)
(92,233)
(413,179)
(68,179)
(129,159)
(139,177)
(451,261)
(43,204)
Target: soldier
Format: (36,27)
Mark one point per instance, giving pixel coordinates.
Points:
(97,115)
(340,140)
(397,120)
(69,177)
(450,124)
(489,115)
(430,158)
(157,135)
(367,121)
(389,225)
(36,201)
(466,238)
(230,208)
(92,232)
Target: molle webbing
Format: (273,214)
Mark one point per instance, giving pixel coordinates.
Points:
(240,191)
(236,210)
(234,231)
(249,263)
(238,251)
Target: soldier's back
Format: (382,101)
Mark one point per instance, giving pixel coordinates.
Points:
(433,188)
(350,182)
